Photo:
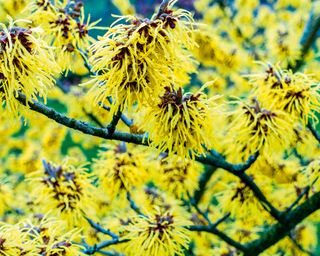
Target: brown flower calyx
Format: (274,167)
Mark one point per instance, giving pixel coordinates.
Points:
(258,110)
(16,33)
(176,98)
(162,223)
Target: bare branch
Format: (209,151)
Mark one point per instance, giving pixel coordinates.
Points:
(304,193)
(90,250)
(309,36)
(114,122)
(203,180)
(213,230)
(279,230)
(314,132)
(133,205)
(127,121)
(101,229)
(162,8)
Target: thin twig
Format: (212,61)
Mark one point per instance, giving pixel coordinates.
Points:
(114,122)
(133,205)
(93,118)
(90,250)
(99,228)
(213,230)
(127,121)
(299,246)
(162,8)
(195,205)
(302,194)
(314,132)
(203,180)
(308,38)
(279,230)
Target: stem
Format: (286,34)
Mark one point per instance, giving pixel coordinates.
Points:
(314,132)
(309,35)
(203,180)
(279,230)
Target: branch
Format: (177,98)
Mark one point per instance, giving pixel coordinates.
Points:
(162,8)
(93,118)
(279,230)
(110,253)
(133,205)
(127,121)
(216,160)
(213,230)
(309,35)
(302,194)
(101,229)
(114,122)
(314,132)
(195,205)
(203,180)
(90,250)
(81,126)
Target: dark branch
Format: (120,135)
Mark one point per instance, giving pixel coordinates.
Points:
(90,250)
(93,118)
(203,180)
(213,230)
(127,121)
(81,126)
(133,205)
(279,230)
(216,160)
(101,229)
(309,35)
(195,205)
(314,132)
(114,122)
(162,8)
(304,193)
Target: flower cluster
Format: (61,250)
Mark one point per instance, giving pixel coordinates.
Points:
(159,233)
(27,64)
(180,123)
(133,62)
(65,29)
(65,190)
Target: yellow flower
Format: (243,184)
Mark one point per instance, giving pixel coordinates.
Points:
(178,176)
(283,44)
(13,8)
(65,190)
(14,241)
(295,93)
(134,61)
(241,202)
(52,237)
(26,64)
(120,169)
(180,123)
(158,233)
(65,29)
(255,128)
